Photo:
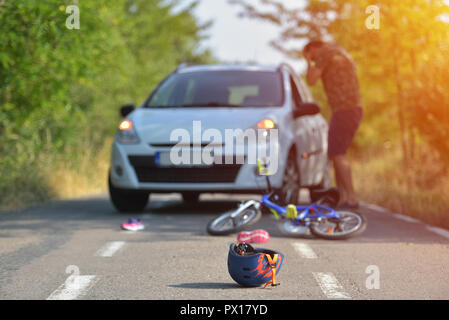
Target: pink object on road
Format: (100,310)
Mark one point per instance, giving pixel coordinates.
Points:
(258,236)
(133,225)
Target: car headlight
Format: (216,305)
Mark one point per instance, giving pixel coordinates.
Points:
(266,124)
(126,133)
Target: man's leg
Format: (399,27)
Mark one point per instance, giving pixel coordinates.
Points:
(339,182)
(344,179)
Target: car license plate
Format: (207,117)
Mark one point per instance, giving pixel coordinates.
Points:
(162,159)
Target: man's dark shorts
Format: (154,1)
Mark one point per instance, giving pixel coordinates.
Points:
(342,128)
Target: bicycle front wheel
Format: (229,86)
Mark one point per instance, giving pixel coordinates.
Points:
(226,224)
(348,225)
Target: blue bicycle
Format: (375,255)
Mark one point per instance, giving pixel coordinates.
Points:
(319,217)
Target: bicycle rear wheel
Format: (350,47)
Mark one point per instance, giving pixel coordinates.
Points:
(225,224)
(349,225)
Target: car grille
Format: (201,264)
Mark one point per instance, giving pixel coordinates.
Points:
(147,171)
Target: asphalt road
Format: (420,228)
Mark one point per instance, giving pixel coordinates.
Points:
(75,250)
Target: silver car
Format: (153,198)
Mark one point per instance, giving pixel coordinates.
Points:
(195,101)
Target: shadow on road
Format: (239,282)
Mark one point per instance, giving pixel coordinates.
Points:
(206,285)
(202,207)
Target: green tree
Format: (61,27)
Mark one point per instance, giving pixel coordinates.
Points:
(60,89)
(391,60)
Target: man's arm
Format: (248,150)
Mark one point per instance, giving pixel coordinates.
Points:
(313,73)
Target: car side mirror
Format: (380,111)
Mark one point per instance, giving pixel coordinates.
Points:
(127,109)
(306,109)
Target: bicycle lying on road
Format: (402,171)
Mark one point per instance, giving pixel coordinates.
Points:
(322,220)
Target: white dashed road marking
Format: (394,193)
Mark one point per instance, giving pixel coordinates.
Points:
(304,250)
(74,287)
(330,286)
(110,248)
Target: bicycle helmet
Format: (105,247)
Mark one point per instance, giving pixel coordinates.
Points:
(253,267)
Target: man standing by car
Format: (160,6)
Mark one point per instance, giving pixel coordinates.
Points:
(337,71)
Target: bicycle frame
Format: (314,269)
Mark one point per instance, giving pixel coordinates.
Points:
(305,213)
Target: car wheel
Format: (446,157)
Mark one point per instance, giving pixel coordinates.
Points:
(190,197)
(127,201)
(290,182)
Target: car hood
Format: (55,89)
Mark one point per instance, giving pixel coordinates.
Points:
(156,125)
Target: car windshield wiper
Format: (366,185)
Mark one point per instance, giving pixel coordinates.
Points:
(202,105)
(212,104)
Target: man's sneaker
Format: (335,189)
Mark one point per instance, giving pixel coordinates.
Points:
(258,236)
(133,225)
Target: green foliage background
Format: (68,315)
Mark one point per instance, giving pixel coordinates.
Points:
(401,64)
(60,89)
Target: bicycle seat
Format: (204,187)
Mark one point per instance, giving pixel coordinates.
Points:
(329,196)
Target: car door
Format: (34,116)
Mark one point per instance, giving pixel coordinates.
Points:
(302,134)
(318,140)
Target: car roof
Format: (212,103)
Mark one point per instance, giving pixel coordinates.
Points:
(224,67)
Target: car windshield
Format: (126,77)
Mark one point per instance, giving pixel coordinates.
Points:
(219,88)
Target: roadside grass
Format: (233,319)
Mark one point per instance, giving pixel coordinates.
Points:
(421,192)
(86,176)
(22,185)
(50,177)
